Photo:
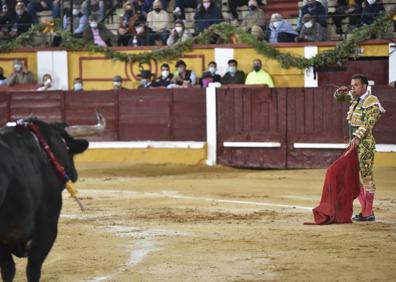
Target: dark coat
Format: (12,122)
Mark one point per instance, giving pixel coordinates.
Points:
(21,23)
(370,12)
(318,11)
(204,19)
(237,78)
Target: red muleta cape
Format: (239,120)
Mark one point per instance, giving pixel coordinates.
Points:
(341,187)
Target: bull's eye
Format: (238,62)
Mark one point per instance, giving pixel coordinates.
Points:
(64,142)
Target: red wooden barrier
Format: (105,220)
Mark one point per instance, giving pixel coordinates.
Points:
(245,114)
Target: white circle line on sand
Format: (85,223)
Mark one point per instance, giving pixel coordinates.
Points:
(176,195)
(267,204)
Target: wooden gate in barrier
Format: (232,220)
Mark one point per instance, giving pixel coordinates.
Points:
(251,127)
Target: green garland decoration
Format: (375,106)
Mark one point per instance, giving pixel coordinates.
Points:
(219,33)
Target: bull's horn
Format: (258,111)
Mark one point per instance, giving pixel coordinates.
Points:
(86,130)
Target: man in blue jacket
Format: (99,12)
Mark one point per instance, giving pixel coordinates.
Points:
(371,9)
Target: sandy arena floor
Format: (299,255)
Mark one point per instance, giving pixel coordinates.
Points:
(178,223)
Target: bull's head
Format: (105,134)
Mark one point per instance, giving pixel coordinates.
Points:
(61,139)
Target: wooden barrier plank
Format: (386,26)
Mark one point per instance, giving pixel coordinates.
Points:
(4,107)
(244,115)
(189,115)
(80,108)
(385,130)
(145,115)
(307,107)
(43,105)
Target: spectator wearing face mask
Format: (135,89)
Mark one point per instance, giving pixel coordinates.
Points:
(208,14)
(4,21)
(183,77)
(117,83)
(21,75)
(80,21)
(142,35)
(158,21)
(210,75)
(178,33)
(145,79)
(20,20)
(233,75)
(280,30)
(254,22)
(317,10)
(371,9)
(46,83)
(259,76)
(234,4)
(98,33)
(165,78)
(78,84)
(311,30)
(3,79)
(126,27)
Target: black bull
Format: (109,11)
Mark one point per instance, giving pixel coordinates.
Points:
(30,191)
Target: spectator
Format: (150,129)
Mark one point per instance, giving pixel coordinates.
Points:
(280,30)
(317,10)
(182,76)
(20,20)
(4,21)
(145,79)
(46,83)
(158,21)
(78,84)
(254,22)
(140,10)
(80,21)
(311,30)
(259,76)
(3,79)
(98,33)
(233,75)
(234,4)
(210,75)
(21,75)
(143,35)
(371,10)
(178,34)
(96,7)
(208,13)
(126,27)
(347,8)
(117,83)
(35,6)
(164,79)
(180,5)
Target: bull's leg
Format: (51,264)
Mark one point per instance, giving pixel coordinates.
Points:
(40,247)
(7,265)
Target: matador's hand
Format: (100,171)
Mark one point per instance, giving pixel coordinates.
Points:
(355,142)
